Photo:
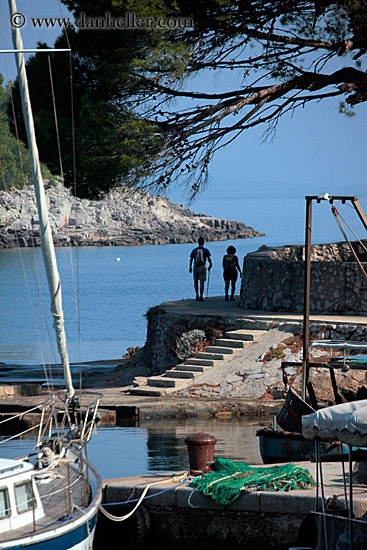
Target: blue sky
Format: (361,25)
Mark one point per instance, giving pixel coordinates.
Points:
(315,150)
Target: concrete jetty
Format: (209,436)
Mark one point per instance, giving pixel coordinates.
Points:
(215,305)
(180,518)
(241,383)
(216,396)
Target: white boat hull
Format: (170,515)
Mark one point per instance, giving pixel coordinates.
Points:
(78,536)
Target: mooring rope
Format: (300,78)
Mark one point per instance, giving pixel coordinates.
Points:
(180,479)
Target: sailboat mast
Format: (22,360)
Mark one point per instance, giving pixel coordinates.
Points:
(47,244)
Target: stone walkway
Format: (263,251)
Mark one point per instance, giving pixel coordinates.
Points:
(216,305)
(233,383)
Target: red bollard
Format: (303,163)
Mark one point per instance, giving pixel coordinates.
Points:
(201,450)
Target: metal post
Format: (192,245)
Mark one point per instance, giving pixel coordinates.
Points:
(69,488)
(344,477)
(87,469)
(82,476)
(306,307)
(34,503)
(350,498)
(361,214)
(323,500)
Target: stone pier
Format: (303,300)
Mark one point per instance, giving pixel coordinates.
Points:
(177,518)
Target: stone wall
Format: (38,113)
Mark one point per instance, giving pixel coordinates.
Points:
(273,279)
(209,527)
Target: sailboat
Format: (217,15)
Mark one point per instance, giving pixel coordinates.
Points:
(49,499)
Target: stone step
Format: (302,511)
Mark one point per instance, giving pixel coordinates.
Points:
(148,391)
(214,356)
(173,373)
(219,349)
(245,334)
(161,382)
(229,342)
(201,362)
(156,391)
(194,368)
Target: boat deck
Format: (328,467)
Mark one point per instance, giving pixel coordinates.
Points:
(62,496)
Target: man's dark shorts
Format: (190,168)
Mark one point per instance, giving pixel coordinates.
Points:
(199,273)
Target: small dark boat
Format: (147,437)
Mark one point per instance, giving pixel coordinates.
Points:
(277,446)
(289,444)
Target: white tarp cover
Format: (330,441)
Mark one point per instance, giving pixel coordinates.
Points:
(346,422)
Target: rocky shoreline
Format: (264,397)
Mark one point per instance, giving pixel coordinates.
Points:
(121,218)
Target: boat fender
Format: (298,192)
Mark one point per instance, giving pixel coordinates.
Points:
(130,534)
(307,536)
(46,459)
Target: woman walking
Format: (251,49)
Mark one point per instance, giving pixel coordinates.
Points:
(230,268)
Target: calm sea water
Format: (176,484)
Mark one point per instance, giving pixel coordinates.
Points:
(159,446)
(115,295)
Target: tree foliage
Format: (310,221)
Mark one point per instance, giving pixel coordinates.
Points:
(285,54)
(102,138)
(15,170)
(138,111)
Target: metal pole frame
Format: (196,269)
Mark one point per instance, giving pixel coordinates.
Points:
(307,272)
(306,305)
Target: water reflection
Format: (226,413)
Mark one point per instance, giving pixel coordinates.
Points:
(158,446)
(166,448)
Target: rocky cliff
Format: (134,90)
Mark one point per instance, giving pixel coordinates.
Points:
(121,218)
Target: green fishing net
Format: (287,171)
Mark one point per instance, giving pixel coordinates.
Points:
(229,479)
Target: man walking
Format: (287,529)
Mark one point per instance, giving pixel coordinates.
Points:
(198,257)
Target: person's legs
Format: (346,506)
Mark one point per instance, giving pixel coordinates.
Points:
(196,287)
(226,288)
(201,276)
(233,288)
(201,290)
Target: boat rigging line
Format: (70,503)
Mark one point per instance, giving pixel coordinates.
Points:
(46,364)
(55,116)
(336,215)
(76,282)
(48,251)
